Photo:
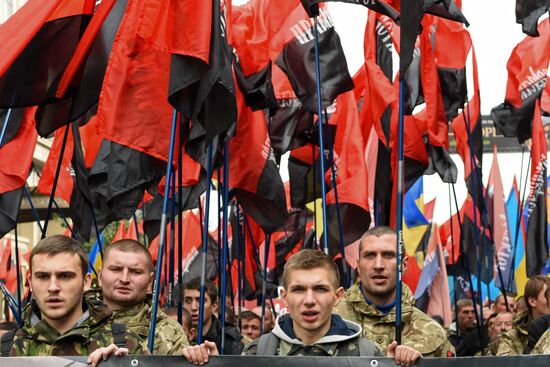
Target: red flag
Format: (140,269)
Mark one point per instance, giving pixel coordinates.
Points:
(19,149)
(257,182)
(351,176)
(527,74)
(45,30)
(65,182)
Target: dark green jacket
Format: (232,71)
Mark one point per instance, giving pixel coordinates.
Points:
(92,331)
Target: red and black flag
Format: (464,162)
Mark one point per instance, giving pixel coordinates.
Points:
(297,57)
(412,13)
(379,6)
(78,90)
(72,186)
(212,108)
(452,45)
(43,30)
(528,13)
(256,181)
(527,75)
(14,175)
(536,247)
(351,177)
(469,140)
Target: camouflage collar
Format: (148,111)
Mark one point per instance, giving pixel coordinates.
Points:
(522,321)
(355,297)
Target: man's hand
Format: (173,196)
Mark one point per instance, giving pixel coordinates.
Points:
(402,354)
(198,354)
(104,353)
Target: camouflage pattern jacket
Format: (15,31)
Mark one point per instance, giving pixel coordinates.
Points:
(513,341)
(170,338)
(92,331)
(419,331)
(340,340)
(543,345)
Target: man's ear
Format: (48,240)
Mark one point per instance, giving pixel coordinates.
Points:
(532,302)
(99,272)
(215,307)
(339,295)
(283,296)
(404,264)
(87,281)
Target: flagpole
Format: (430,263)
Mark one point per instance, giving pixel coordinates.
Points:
(172,243)
(162,239)
(399,211)
(347,274)
(205,242)
(33,208)
(239,256)
(320,127)
(484,218)
(455,296)
(264,278)
(467,264)
(5,126)
(179,292)
(520,210)
(18,271)
(55,179)
(225,244)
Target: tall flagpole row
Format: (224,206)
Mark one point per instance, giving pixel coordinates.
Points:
(162,239)
(320,127)
(205,242)
(225,244)
(399,211)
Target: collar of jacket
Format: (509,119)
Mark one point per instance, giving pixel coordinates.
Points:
(357,300)
(95,315)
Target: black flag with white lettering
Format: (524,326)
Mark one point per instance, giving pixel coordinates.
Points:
(536,247)
(297,60)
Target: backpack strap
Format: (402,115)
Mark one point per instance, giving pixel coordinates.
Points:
(6,343)
(367,348)
(119,334)
(267,345)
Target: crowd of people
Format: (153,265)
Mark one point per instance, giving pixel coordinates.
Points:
(67,317)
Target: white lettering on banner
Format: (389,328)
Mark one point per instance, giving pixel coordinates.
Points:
(303,30)
(537,185)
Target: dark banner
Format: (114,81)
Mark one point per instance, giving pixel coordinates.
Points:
(490,137)
(235,361)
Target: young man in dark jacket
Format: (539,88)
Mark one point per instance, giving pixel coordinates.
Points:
(312,290)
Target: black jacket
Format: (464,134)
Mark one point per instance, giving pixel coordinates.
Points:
(233,344)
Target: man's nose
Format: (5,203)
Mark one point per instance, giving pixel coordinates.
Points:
(379,262)
(310,297)
(124,276)
(53,286)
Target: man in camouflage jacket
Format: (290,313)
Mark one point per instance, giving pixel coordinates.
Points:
(543,345)
(125,279)
(513,341)
(371,301)
(60,321)
(93,330)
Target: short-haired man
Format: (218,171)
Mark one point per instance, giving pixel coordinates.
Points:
(311,290)
(126,278)
(211,326)
(466,321)
(60,321)
(251,325)
(371,301)
(269,320)
(513,341)
(500,304)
